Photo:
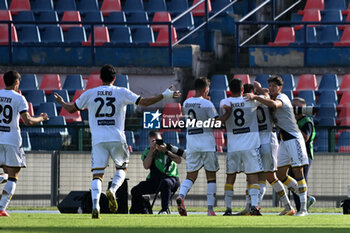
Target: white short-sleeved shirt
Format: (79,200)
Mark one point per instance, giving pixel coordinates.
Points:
(242,125)
(12,104)
(265,123)
(199,139)
(107,107)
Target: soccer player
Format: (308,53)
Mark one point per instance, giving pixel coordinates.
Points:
(243,144)
(12,106)
(268,152)
(107,107)
(292,150)
(201,146)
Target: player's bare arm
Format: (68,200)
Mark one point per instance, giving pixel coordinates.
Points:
(29,120)
(167,94)
(259,90)
(268,102)
(226,115)
(70,107)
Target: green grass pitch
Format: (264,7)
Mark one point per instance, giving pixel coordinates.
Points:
(22,222)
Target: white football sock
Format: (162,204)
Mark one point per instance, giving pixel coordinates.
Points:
(185,187)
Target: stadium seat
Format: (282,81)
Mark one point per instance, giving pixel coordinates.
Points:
(36,97)
(172,112)
(2,83)
(328,97)
(327,34)
(327,122)
(143,36)
(122,81)
(219,82)
(133,6)
(329,82)
(115,17)
(46,16)
(77,94)
(120,35)
(49,108)
(289,93)
(71,117)
(88,6)
(311,36)
(200,10)
(347,19)
(327,111)
(50,82)
(160,17)
(137,17)
(262,79)
(41,5)
(184,23)
(345,85)
(23,16)
(285,36)
(344,149)
(59,120)
(321,141)
(75,35)
(101,37)
(310,16)
(190,94)
(345,99)
(344,139)
(3,5)
(29,82)
(51,35)
(244,77)
(215,97)
(332,16)
(219,139)
(19,5)
(163,37)
(5,15)
(93,81)
(307,82)
(130,139)
(63,93)
(308,96)
(177,6)
(65,5)
(312,5)
(344,114)
(142,140)
(109,6)
(218,5)
(288,82)
(91,17)
(345,38)
(26,141)
(72,16)
(4,34)
(153,6)
(171,137)
(31,113)
(72,83)
(28,34)
(335,4)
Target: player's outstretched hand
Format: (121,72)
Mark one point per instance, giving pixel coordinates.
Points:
(249,96)
(44,116)
(58,98)
(168,93)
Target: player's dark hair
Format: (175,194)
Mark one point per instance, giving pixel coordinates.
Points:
(248,88)
(107,73)
(153,133)
(201,83)
(276,80)
(236,86)
(10,77)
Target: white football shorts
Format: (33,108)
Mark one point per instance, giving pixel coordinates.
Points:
(196,160)
(248,161)
(268,153)
(292,152)
(12,156)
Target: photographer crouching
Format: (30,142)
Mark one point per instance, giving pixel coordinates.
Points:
(162,160)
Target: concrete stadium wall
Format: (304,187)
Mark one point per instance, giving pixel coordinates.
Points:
(328,179)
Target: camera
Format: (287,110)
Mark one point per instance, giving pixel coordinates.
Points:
(175,149)
(307,110)
(159,142)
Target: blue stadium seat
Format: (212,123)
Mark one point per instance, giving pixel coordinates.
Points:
(309,97)
(133,6)
(216,96)
(143,36)
(152,6)
(328,97)
(142,139)
(51,35)
(41,5)
(120,35)
(171,137)
(46,16)
(65,5)
(63,93)
(137,17)
(49,108)
(327,122)
(329,82)
(130,110)
(335,4)
(218,5)
(321,141)
(88,6)
(72,83)
(311,35)
(327,34)
(327,111)
(3,5)
(177,6)
(185,23)
(122,81)
(344,139)
(289,93)
(219,82)
(26,141)
(23,16)
(58,120)
(75,35)
(29,82)
(28,34)
(91,17)
(288,82)
(36,97)
(130,139)
(30,130)
(262,79)
(331,16)
(115,17)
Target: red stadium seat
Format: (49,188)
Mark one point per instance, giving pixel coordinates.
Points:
(307,82)
(101,37)
(310,16)
(312,5)
(344,149)
(344,114)
(345,100)
(160,17)
(163,37)
(200,10)
(219,139)
(5,15)
(346,12)
(190,94)
(347,19)
(172,113)
(109,6)
(51,82)
(19,5)
(70,117)
(77,94)
(4,34)
(73,16)
(285,36)
(93,81)
(2,83)
(244,77)
(345,38)
(345,85)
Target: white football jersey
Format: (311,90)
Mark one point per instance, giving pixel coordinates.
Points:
(12,104)
(107,107)
(199,139)
(265,123)
(242,125)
